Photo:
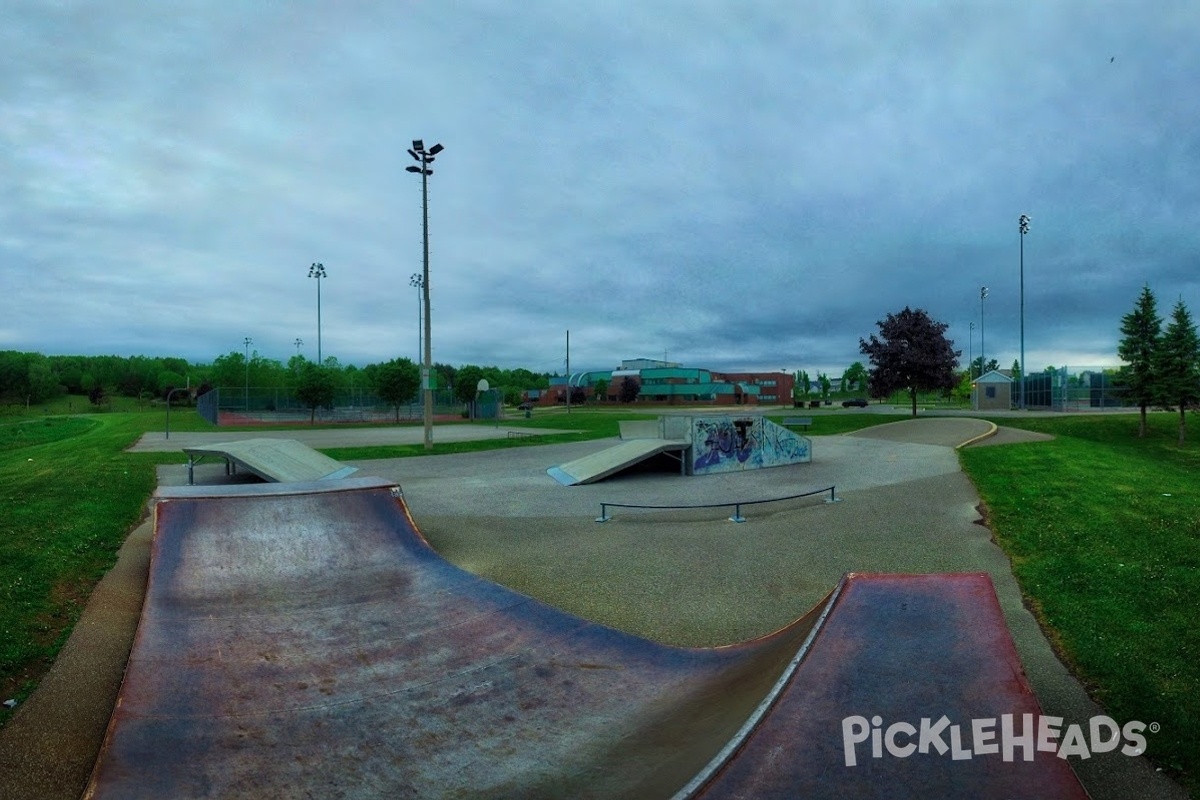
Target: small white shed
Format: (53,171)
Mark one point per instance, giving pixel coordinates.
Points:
(992,391)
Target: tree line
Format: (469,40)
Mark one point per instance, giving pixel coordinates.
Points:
(31,377)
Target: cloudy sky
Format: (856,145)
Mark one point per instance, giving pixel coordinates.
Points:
(727,184)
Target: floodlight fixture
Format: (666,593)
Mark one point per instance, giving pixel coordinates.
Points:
(418,145)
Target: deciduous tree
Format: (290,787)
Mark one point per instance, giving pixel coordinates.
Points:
(466,382)
(396,382)
(911,352)
(802,387)
(316,388)
(855,377)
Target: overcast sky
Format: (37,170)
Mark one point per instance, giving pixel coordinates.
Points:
(726,184)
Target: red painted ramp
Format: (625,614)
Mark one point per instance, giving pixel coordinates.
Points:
(306,642)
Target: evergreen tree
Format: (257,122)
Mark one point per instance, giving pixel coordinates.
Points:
(1141,332)
(1177,373)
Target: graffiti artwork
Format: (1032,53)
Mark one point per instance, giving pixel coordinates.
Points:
(725,444)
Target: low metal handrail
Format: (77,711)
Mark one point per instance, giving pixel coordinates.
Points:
(737,510)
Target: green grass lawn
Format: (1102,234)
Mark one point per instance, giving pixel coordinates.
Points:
(1103,530)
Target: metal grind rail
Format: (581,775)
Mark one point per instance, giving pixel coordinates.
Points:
(737,506)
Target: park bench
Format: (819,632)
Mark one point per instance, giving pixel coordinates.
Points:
(791,421)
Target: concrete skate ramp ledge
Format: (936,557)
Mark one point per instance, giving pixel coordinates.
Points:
(281,460)
(307,641)
(611,460)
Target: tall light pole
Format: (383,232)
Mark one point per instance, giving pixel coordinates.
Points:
(982,357)
(425,158)
(417,282)
(299,343)
(1023,227)
(247,342)
(317,270)
(971,352)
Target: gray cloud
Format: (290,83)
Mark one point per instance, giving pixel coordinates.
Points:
(735,187)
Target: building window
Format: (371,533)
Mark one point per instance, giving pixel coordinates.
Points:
(990,392)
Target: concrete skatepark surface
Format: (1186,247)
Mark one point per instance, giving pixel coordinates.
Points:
(680,579)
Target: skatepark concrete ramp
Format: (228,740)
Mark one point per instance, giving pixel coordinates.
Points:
(280,460)
(704,445)
(305,641)
(597,466)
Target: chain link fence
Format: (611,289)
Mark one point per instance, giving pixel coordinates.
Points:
(254,404)
(1072,389)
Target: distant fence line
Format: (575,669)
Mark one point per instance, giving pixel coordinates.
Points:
(1071,389)
(272,404)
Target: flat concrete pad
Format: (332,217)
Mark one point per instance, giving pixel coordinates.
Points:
(280,460)
(944,431)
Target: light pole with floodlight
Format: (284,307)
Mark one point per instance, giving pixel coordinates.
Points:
(1023,227)
(983,293)
(971,352)
(317,270)
(425,158)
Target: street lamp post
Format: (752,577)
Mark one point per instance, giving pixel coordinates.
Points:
(299,343)
(425,158)
(1023,227)
(317,270)
(417,282)
(247,342)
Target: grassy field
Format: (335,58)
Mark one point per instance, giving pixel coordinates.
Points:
(1103,530)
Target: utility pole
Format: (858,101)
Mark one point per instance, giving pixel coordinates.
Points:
(568,371)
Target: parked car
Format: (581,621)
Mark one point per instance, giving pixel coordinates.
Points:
(857,402)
